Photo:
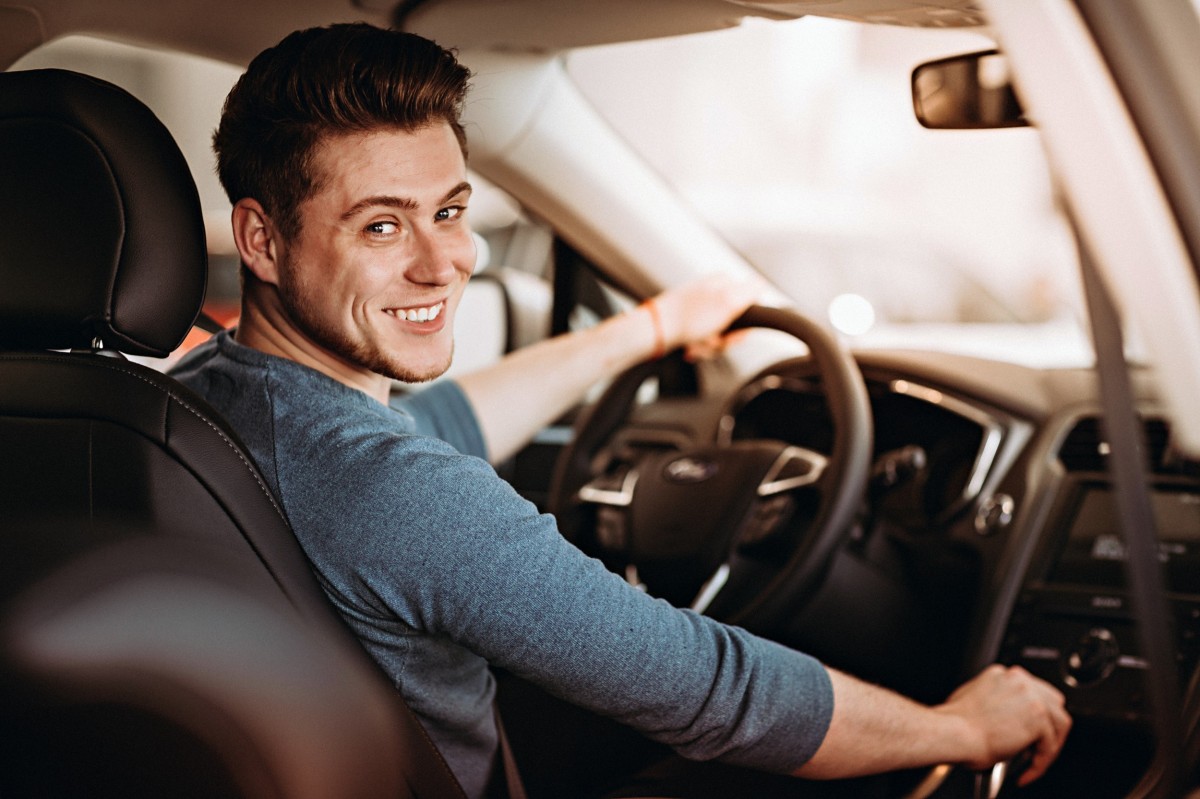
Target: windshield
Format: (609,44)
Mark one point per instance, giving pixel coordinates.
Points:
(797,142)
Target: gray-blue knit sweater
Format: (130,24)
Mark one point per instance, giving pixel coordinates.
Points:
(440,568)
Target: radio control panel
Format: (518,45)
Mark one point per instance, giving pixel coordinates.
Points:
(1086,644)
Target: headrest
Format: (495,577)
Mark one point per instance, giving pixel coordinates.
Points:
(101,230)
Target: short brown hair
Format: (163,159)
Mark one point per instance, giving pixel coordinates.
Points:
(328,81)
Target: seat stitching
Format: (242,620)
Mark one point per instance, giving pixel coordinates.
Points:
(176,398)
(442,766)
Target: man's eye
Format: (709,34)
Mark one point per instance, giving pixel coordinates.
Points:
(453,212)
(382,228)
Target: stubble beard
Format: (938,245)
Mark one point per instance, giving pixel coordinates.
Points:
(301,308)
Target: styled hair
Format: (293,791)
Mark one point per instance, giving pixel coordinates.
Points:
(320,82)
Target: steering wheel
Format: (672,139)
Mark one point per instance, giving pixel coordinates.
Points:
(744,531)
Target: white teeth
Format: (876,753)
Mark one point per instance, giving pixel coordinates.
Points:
(427,314)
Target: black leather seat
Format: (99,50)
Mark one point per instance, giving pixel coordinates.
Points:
(153,667)
(102,252)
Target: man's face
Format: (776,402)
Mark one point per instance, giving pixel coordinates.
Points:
(376,273)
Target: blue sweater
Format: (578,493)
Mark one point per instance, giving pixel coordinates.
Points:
(440,568)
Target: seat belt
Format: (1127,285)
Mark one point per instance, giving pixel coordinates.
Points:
(1143,568)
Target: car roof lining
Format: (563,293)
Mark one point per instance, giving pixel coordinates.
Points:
(234,31)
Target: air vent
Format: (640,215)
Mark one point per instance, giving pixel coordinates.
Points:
(1086,448)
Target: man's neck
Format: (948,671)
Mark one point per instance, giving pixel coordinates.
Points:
(268,329)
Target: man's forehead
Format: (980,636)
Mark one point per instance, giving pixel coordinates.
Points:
(412,168)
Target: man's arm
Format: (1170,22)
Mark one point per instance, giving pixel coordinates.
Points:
(995,716)
(532,387)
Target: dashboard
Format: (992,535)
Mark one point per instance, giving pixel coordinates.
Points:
(932,451)
(987,533)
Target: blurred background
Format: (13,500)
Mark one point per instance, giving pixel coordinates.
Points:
(809,160)
(805,156)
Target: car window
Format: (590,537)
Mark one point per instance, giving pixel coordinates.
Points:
(807,158)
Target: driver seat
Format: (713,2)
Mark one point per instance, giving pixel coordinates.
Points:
(102,254)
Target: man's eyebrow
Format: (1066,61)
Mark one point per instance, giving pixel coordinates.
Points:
(384,200)
(459,189)
(405,203)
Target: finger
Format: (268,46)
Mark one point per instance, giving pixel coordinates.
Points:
(1045,750)
(1056,706)
(1051,742)
(1062,724)
(703,349)
(729,339)
(712,346)
(1038,765)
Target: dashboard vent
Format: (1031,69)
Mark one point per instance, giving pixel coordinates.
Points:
(1085,449)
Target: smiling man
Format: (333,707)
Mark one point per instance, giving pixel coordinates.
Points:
(342,153)
(367,287)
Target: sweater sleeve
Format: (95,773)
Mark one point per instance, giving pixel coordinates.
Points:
(443,411)
(455,552)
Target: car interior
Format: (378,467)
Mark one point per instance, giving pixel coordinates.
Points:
(903,502)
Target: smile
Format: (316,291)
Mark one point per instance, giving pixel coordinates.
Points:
(426,314)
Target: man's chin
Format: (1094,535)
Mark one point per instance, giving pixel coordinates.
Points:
(406,373)
(416,377)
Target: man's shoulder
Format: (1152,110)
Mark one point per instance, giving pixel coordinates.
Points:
(193,360)
(229,373)
(317,436)
(272,403)
(213,359)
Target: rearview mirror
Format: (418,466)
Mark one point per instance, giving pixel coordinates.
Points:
(972,91)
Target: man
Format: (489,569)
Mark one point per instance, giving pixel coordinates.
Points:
(342,153)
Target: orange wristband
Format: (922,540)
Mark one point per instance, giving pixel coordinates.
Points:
(660,342)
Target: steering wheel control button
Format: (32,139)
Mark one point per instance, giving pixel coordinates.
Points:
(1092,659)
(612,532)
(765,518)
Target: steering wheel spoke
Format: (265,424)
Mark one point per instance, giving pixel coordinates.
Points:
(611,490)
(796,467)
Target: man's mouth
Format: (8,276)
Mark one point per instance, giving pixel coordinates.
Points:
(425,314)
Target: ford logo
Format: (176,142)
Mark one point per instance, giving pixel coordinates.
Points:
(689,470)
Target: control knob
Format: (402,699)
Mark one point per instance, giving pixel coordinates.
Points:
(1092,658)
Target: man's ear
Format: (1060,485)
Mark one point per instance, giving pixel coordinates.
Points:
(257,240)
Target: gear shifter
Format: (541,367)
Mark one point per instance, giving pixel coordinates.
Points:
(990,783)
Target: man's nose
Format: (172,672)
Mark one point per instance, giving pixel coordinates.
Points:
(433,260)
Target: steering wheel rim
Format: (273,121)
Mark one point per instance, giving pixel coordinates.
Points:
(844,481)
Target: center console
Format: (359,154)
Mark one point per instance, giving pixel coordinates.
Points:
(1073,624)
